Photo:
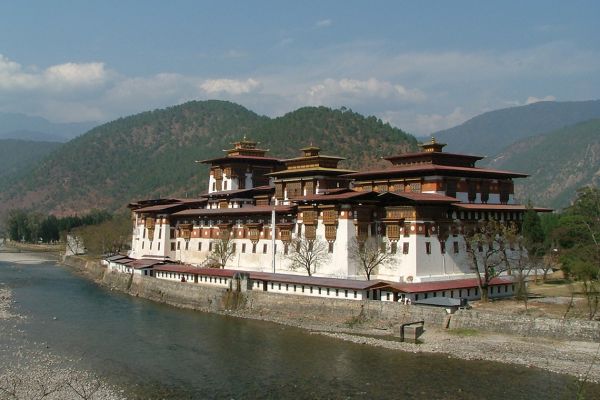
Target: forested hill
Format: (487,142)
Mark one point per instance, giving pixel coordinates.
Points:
(17,156)
(152,154)
(489,133)
(560,162)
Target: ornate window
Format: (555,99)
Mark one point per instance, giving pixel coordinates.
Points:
(310,232)
(330,232)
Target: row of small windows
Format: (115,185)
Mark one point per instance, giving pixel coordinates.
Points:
(494,289)
(393,247)
(310,289)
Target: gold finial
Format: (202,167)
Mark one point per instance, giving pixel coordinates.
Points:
(432,139)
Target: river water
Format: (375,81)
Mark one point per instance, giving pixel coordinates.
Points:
(160,352)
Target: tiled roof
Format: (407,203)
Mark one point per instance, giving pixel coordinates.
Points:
(143,263)
(441,154)
(235,211)
(500,207)
(423,197)
(188,269)
(250,192)
(269,160)
(352,194)
(116,257)
(313,170)
(422,287)
(313,280)
(158,208)
(270,277)
(411,170)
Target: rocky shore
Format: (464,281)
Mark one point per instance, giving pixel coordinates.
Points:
(29,370)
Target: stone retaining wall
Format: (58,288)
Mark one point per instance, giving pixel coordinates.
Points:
(314,312)
(573,329)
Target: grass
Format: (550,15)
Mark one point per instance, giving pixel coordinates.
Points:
(465,332)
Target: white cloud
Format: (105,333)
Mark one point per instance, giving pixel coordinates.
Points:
(72,74)
(230,86)
(421,92)
(351,90)
(68,76)
(533,99)
(323,23)
(233,53)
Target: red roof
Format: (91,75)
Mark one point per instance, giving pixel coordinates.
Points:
(235,211)
(143,263)
(313,280)
(270,277)
(438,155)
(423,197)
(428,169)
(268,160)
(422,287)
(188,269)
(250,192)
(337,196)
(500,207)
(158,208)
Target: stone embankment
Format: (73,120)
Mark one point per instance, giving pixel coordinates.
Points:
(565,346)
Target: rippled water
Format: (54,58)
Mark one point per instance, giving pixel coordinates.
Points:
(156,351)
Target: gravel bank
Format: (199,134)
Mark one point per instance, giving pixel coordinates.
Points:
(29,372)
(5,302)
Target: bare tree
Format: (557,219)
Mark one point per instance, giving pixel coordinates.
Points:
(83,385)
(370,254)
(51,383)
(308,255)
(486,247)
(222,250)
(520,263)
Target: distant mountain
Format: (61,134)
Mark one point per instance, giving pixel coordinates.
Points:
(24,127)
(19,156)
(489,133)
(152,154)
(559,162)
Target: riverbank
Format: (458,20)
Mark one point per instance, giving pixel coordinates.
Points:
(51,249)
(372,323)
(30,370)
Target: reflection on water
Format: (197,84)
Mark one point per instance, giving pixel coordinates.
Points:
(158,351)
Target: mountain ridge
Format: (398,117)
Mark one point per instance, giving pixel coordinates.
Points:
(26,127)
(559,162)
(153,153)
(489,133)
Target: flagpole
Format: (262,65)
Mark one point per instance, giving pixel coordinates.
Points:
(273,236)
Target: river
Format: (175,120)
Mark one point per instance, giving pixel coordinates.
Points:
(159,352)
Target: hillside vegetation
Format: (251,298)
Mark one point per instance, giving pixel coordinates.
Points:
(18,156)
(489,133)
(152,154)
(560,162)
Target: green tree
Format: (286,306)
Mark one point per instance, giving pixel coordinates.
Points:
(578,236)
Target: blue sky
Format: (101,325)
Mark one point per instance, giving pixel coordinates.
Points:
(422,66)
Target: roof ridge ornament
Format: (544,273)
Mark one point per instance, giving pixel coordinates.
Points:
(433,146)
